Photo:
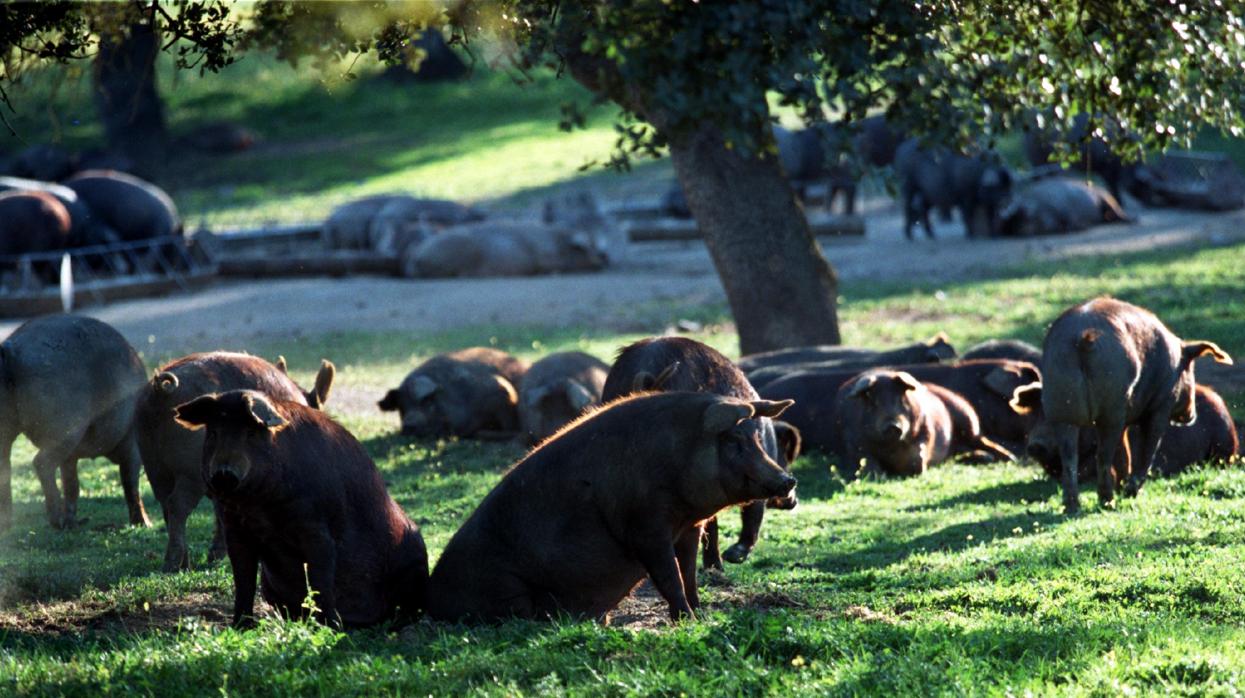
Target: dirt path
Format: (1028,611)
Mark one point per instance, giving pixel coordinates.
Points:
(233,312)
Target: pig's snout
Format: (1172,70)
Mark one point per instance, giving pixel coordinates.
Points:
(225,480)
(783,488)
(786,503)
(1038,451)
(894,430)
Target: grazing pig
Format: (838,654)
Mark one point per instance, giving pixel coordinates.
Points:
(463,393)
(819,154)
(32,221)
(136,209)
(1013,349)
(620,494)
(1058,205)
(1212,436)
(303,506)
(556,390)
(935,177)
(933,350)
(1113,365)
(69,385)
(679,363)
(892,423)
(496,248)
(172,456)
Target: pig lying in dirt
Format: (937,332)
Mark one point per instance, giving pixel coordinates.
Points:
(32,222)
(464,393)
(678,363)
(172,456)
(1013,349)
(556,390)
(499,248)
(69,386)
(1055,205)
(303,506)
(136,209)
(935,349)
(1112,365)
(1212,436)
(577,524)
(892,423)
(987,384)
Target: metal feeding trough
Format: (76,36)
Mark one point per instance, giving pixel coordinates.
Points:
(30,284)
(1197,180)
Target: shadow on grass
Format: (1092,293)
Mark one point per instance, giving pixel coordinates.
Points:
(1003,493)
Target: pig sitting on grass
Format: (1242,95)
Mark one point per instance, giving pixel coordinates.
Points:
(1112,365)
(172,456)
(305,509)
(577,524)
(470,392)
(69,386)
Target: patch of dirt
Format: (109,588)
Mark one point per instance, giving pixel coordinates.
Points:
(867,615)
(75,617)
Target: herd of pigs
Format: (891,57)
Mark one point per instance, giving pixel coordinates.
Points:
(629,467)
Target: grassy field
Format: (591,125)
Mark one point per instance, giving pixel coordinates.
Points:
(966,581)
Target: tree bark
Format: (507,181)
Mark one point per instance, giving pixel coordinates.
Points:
(126,98)
(782,291)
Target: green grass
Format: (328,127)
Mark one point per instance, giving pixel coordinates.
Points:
(966,581)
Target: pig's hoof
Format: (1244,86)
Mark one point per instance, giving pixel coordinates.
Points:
(737,553)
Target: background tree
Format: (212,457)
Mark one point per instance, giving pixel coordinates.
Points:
(124,82)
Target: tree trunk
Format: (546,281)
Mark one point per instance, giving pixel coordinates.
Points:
(781,290)
(126,97)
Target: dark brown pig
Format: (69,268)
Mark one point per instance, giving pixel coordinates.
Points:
(1212,436)
(578,523)
(987,385)
(135,208)
(69,385)
(933,350)
(32,221)
(303,506)
(463,393)
(679,363)
(1014,349)
(556,390)
(1113,365)
(892,423)
(172,456)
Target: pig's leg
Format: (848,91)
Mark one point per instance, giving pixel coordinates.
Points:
(656,552)
(177,507)
(72,489)
(6,481)
(1066,438)
(1109,437)
(47,461)
(244,562)
(685,550)
(712,556)
(1152,430)
(321,574)
(217,549)
(131,464)
(751,514)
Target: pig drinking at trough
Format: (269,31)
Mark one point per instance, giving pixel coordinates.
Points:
(936,178)
(84,229)
(1055,205)
(1013,349)
(556,390)
(463,393)
(134,208)
(892,423)
(172,456)
(1112,365)
(935,349)
(1212,436)
(678,363)
(32,221)
(69,385)
(302,505)
(620,494)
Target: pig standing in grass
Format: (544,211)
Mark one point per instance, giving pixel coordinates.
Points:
(678,363)
(897,425)
(69,385)
(463,393)
(172,456)
(303,506)
(577,524)
(1112,365)
(556,390)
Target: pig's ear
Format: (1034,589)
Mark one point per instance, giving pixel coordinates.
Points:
(862,385)
(770,408)
(512,395)
(264,412)
(1192,351)
(424,386)
(198,412)
(324,383)
(390,402)
(281,365)
(789,440)
(578,396)
(645,381)
(907,381)
(1001,380)
(535,395)
(722,416)
(1026,398)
